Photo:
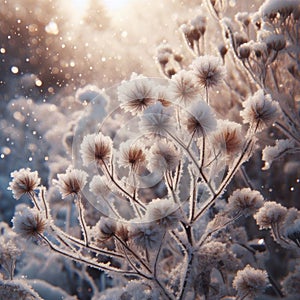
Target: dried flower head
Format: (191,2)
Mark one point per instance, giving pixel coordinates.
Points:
(163,157)
(215,254)
(72,182)
(244,51)
(249,282)
(29,223)
(208,70)
(145,236)
(136,95)
(157,120)
(260,111)
(183,88)
(271,213)
(245,201)
(228,137)
(132,155)
(107,228)
(163,211)
(200,119)
(96,148)
(24,182)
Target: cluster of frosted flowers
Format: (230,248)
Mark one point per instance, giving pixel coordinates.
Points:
(170,213)
(149,229)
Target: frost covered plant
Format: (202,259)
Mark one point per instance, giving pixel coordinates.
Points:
(72,182)
(24,182)
(136,95)
(260,111)
(163,211)
(199,119)
(157,120)
(96,148)
(250,282)
(163,157)
(245,201)
(131,155)
(29,223)
(281,148)
(208,72)
(229,135)
(168,192)
(183,88)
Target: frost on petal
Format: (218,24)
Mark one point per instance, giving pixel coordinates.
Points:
(281,148)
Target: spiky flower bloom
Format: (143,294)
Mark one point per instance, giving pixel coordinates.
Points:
(208,70)
(157,120)
(271,213)
(29,223)
(131,155)
(260,111)
(136,95)
(245,201)
(200,119)
(72,182)
(249,282)
(164,212)
(24,182)
(163,157)
(96,148)
(183,88)
(228,137)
